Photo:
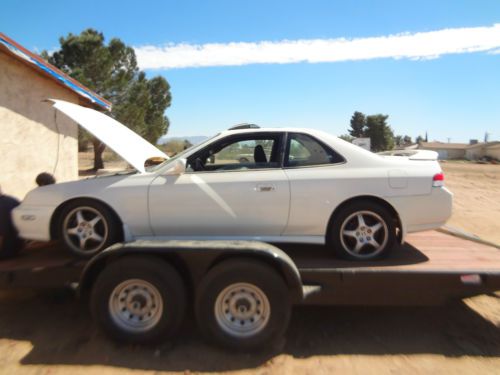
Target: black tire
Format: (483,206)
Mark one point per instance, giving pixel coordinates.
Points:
(246,276)
(346,221)
(164,300)
(107,227)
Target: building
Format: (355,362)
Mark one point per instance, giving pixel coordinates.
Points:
(468,151)
(33,137)
(446,150)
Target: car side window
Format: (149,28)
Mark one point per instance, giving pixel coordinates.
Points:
(304,150)
(240,153)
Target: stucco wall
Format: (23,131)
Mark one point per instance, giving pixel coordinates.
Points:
(449,153)
(493,152)
(474,153)
(33,138)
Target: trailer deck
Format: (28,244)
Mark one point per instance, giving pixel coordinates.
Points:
(431,268)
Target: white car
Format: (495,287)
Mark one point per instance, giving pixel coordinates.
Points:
(299,186)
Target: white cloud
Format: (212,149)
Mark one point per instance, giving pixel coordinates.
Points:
(414,46)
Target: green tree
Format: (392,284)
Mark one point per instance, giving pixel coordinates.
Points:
(407,140)
(358,125)
(398,140)
(347,137)
(380,133)
(111,71)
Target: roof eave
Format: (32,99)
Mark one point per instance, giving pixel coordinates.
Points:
(35,62)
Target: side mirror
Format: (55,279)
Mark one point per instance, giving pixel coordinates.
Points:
(178,168)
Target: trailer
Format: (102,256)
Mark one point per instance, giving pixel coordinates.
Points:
(242,291)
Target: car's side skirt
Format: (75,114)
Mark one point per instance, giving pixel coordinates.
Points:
(318,240)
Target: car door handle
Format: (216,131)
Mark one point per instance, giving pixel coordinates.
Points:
(264,188)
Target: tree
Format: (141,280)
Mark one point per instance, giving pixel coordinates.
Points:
(381,135)
(347,137)
(111,71)
(398,140)
(401,140)
(358,125)
(419,139)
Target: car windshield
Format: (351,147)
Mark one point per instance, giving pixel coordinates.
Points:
(180,155)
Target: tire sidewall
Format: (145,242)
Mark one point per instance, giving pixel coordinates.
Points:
(156,272)
(334,236)
(262,276)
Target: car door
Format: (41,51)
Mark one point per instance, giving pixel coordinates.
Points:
(233,187)
(314,171)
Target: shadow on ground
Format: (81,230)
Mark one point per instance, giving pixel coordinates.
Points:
(61,332)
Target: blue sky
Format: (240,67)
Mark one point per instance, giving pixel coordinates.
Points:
(450,95)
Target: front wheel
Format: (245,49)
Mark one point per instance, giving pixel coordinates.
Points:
(243,304)
(363,231)
(87,227)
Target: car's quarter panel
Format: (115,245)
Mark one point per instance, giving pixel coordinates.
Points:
(224,203)
(423,212)
(317,191)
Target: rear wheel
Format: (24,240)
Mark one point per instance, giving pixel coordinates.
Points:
(243,304)
(363,230)
(87,227)
(139,300)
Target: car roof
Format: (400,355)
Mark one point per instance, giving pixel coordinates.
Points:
(269,130)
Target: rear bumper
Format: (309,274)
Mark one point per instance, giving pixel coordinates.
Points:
(424,212)
(33,222)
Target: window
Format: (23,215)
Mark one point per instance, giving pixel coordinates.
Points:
(304,150)
(254,151)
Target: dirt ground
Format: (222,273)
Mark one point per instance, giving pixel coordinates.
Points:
(476,201)
(51,332)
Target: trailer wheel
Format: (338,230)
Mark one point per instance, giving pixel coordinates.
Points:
(363,230)
(243,304)
(139,300)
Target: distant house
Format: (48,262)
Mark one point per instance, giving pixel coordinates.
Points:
(493,151)
(33,137)
(446,150)
(474,151)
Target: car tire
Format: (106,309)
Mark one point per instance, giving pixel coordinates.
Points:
(139,299)
(243,304)
(88,223)
(363,230)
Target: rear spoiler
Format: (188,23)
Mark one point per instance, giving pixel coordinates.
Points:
(412,154)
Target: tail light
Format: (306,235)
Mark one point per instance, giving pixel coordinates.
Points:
(438,180)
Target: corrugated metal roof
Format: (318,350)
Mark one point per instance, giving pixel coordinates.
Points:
(49,70)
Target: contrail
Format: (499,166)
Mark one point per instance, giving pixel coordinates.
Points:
(415,46)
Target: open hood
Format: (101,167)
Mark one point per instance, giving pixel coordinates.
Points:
(126,143)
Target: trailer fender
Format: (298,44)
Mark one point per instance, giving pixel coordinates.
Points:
(194,259)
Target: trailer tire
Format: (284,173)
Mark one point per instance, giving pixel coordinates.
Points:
(363,230)
(243,304)
(139,299)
